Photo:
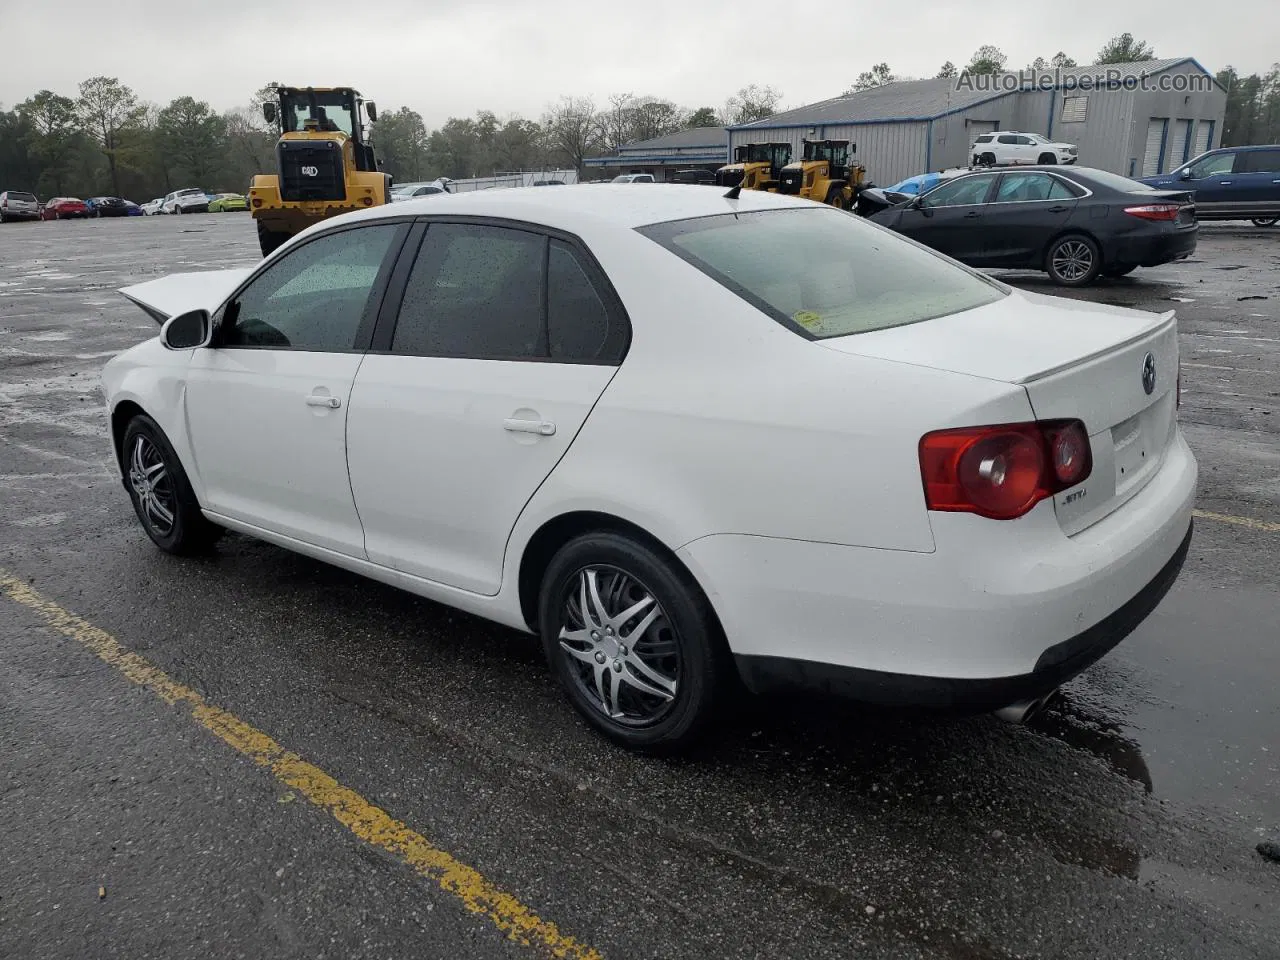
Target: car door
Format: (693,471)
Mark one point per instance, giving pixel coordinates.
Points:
(266,404)
(503,340)
(1258,182)
(949,218)
(1028,209)
(1212,178)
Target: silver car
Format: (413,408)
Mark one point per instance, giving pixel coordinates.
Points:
(18,205)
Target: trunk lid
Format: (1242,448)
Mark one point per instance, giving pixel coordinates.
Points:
(1076,360)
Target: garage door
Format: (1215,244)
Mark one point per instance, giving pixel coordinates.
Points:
(1151,157)
(1204,137)
(978,127)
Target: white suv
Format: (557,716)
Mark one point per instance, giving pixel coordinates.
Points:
(18,205)
(1010,148)
(190,200)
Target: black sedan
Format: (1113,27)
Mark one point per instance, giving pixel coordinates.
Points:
(1074,223)
(107,207)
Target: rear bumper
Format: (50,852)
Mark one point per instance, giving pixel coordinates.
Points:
(1055,666)
(997,612)
(1151,251)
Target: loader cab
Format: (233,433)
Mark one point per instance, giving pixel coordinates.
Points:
(319,110)
(834,153)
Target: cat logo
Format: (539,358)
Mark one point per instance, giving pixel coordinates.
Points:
(311,171)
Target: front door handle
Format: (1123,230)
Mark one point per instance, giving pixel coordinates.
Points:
(318,400)
(544,428)
(1224,183)
(1058,209)
(972,215)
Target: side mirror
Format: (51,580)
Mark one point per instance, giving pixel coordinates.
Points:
(1186,175)
(187,331)
(371,109)
(269,112)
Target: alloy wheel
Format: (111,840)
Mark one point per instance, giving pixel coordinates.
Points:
(152,485)
(621,649)
(1072,260)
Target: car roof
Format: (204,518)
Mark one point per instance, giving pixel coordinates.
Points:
(615,204)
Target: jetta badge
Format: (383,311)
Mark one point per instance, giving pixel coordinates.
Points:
(1149,373)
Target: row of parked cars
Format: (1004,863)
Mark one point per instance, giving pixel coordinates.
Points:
(1076,223)
(23,205)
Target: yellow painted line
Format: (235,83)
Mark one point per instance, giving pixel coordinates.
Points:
(1266,526)
(362,818)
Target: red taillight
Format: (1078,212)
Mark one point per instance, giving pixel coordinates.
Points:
(1155,211)
(1001,472)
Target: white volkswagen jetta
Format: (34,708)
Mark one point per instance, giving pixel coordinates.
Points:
(676,434)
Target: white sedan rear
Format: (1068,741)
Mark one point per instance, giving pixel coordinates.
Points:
(678,435)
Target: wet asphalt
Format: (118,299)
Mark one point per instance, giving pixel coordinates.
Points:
(1121,822)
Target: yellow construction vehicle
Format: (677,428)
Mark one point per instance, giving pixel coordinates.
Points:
(755,166)
(825,174)
(324,166)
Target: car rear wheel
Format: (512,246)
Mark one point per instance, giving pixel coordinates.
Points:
(1073,260)
(632,640)
(161,493)
(1266,221)
(1047,159)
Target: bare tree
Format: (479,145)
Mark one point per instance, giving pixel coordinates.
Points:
(877,76)
(948,69)
(573,130)
(750,103)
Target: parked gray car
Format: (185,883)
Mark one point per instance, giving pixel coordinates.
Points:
(18,205)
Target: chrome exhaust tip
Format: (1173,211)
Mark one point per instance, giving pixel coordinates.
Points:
(1023,710)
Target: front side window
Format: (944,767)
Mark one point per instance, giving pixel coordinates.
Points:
(962,192)
(1008,138)
(823,273)
(1213,166)
(312,298)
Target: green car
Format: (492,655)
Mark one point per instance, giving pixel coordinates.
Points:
(228,203)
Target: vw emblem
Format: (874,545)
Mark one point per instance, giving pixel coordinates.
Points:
(1149,373)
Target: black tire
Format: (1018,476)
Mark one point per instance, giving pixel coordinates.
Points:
(987,160)
(146,448)
(1266,221)
(1115,272)
(835,197)
(1047,159)
(1073,260)
(269,241)
(682,645)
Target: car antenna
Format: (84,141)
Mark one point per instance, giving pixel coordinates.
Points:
(733,192)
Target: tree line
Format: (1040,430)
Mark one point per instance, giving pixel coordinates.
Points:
(107,141)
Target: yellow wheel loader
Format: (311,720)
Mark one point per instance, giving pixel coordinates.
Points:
(324,167)
(825,174)
(755,166)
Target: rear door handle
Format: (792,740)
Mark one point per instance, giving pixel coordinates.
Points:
(1058,209)
(1224,183)
(972,215)
(317,400)
(544,428)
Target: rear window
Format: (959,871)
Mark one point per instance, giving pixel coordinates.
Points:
(1115,182)
(822,272)
(19,195)
(191,193)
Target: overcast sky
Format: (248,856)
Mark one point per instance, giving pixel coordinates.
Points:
(514,56)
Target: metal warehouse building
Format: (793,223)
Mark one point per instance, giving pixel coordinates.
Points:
(699,147)
(1126,125)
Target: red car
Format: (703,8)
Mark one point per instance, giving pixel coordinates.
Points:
(63,208)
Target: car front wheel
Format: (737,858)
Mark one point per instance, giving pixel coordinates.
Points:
(161,493)
(632,640)
(1266,221)
(1073,260)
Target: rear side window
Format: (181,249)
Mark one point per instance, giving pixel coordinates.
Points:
(475,291)
(498,293)
(824,273)
(1260,161)
(1008,138)
(985,138)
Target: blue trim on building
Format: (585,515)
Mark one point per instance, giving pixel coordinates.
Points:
(1186,140)
(1208,143)
(928,147)
(1053,102)
(1164,143)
